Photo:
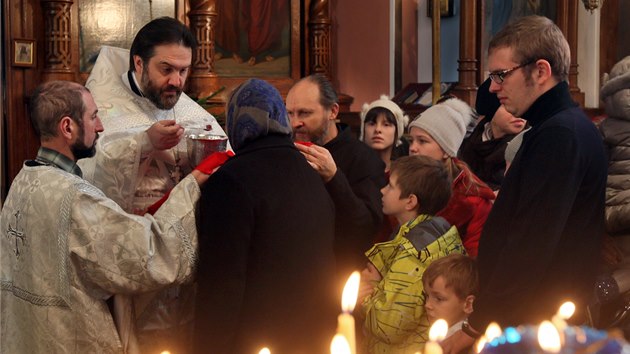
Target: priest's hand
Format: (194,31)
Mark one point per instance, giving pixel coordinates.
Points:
(165,134)
(457,343)
(320,159)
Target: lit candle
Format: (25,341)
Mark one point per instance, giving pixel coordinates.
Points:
(481,343)
(340,345)
(436,333)
(493,331)
(565,312)
(264,350)
(549,337)
(345,321)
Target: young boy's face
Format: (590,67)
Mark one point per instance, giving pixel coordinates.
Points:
(392,204)
(443,303)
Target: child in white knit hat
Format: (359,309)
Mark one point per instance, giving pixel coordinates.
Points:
(382,126)
(438,133)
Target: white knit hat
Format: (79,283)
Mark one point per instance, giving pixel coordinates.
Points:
(385,102)
(446,122)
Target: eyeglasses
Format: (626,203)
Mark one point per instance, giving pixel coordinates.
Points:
(499,76)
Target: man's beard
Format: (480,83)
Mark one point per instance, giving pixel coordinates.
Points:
(154,94)
(82,151)
(316,136)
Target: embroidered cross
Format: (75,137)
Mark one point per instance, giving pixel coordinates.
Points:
(16,233)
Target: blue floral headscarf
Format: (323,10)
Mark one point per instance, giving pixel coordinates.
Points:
(255,109)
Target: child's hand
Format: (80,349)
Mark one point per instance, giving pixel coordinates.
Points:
(369,279)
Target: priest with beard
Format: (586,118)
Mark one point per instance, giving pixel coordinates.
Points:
(65,247)
(141,156)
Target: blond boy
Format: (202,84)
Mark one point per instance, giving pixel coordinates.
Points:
(450,284)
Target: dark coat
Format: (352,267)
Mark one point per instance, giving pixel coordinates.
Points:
(356,191)
(266,272)
(540,245)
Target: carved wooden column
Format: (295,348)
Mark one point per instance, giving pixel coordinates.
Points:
(57,40)
(203,19)
(466,88)
(567,21)
(319,39)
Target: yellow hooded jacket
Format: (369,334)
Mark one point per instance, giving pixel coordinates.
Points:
(395,320)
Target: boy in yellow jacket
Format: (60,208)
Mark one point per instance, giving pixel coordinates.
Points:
(391,293)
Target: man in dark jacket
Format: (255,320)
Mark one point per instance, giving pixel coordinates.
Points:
(540,244)
(353,172)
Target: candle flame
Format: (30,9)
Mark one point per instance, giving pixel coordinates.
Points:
(339,345)
(350,292)
(165,352)
(566,310)
(264,350)
(549,337)
(493,331)
(481,343)
(438,330)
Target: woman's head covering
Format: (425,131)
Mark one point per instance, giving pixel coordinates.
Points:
(487,102)
(384,102)
(255,109)
(446,122)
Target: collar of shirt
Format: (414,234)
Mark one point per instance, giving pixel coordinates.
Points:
(52,157)
(133,84)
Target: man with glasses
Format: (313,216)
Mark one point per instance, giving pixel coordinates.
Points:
(540,244)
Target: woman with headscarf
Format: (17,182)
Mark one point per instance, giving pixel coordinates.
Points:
(266,224)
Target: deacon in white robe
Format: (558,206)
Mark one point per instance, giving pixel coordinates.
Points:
(137,178)
(66,248)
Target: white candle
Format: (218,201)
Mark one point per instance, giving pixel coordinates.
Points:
(339,345)
(345,321)
(549,337)
(493,331)
(565,312)
(437,332)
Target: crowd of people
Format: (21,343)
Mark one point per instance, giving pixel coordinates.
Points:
(113,243)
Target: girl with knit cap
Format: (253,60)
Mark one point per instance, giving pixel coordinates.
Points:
(382,126)
(438,133)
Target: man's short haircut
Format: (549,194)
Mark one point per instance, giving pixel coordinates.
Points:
(52,101)
(533,38)
(327,94)
(459,273)
(425,178)
(161,31)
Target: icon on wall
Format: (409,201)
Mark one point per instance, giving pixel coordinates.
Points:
(23,52)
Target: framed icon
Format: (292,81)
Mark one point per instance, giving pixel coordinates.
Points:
(24,52)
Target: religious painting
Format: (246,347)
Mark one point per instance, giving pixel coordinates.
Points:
(253,38)
(23,52)
(115,23)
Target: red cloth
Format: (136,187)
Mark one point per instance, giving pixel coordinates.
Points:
(213,161)
(206,166)
(305,143)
